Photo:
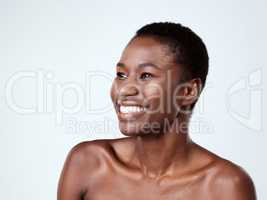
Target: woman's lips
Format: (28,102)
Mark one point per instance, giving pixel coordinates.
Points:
(130,112)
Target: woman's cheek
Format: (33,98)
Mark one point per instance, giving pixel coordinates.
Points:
(154,96)
(113,91)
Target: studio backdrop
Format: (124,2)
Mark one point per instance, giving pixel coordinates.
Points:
(57,63)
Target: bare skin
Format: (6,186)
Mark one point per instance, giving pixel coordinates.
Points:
(151,163)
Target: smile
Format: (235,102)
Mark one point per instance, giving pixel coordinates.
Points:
(131,109)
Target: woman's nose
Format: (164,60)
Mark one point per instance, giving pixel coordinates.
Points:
(129,89)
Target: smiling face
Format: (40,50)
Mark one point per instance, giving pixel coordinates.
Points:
(143,90)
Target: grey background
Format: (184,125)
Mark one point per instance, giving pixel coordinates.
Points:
(61,44)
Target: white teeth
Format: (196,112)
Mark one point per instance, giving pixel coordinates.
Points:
(131,109)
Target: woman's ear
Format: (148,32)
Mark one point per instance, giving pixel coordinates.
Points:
(189,92)
(192,91)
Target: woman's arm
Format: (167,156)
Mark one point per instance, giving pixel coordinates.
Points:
(71,183)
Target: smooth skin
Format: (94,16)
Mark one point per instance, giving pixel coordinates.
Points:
(151,163)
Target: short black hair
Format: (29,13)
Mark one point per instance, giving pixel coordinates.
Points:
(188,48)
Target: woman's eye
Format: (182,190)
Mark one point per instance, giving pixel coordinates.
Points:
(121,75)
(146,76)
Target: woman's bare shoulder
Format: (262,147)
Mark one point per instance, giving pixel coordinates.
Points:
(96,150)
(89,150)
(227,179)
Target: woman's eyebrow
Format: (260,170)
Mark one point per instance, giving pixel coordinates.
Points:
(147,64)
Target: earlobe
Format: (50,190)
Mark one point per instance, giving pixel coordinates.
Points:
(186,95)
(191,92)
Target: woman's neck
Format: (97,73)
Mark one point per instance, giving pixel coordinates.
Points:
(158,154)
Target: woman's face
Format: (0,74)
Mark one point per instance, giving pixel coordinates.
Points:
(144,90)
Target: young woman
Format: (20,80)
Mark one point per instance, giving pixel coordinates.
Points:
(160,76)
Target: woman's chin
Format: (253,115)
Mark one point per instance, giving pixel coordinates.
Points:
(128,130)
(135,129)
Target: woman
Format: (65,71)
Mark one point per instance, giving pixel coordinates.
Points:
(160,76)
